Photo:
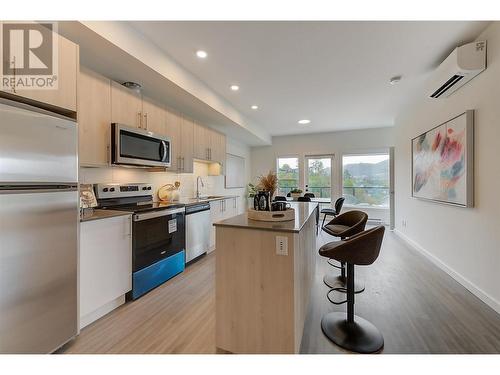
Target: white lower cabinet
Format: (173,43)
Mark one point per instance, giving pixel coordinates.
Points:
(105,266)
(220,210)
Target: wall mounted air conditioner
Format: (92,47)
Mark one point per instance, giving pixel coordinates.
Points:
(463,64)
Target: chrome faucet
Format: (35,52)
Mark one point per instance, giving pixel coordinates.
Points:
(198,180)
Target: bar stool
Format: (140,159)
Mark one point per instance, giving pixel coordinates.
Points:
(345,225)
(350,331)
(333,211)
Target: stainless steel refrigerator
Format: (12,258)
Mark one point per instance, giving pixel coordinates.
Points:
(39,219)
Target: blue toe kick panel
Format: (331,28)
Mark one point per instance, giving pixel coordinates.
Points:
(156,274)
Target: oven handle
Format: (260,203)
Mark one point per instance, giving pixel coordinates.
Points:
(152,215)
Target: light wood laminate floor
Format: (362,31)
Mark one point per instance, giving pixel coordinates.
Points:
(417,307)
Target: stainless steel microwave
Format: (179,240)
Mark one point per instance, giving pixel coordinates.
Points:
(132,146)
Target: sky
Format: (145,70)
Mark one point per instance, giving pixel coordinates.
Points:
(370,159)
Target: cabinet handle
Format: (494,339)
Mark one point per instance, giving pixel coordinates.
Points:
(210,153)
(140,119)
(129,225)
(146,120)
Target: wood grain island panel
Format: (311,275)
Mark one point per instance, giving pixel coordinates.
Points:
(262,292)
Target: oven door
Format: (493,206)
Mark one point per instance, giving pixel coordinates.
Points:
(157,235)
(132,146)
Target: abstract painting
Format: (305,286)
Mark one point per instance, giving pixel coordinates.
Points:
(442,165)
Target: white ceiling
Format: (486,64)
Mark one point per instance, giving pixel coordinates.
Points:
(334,73)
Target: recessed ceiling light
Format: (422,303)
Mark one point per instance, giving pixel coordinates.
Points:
(255,107)
(201,54)
(304,122)
(395,80)
(234,87)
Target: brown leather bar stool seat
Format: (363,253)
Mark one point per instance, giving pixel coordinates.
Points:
(345,225)
(352,332)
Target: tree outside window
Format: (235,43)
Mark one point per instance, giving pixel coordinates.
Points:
(288,174)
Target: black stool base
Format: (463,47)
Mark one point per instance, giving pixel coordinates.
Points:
(360,336)
(337,281)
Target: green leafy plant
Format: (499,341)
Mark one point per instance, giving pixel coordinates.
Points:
(296,191)
(252,190)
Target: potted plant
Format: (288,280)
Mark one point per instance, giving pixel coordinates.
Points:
(268,183)
(295,193)
(252,190)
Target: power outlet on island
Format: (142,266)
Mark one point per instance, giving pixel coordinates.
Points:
(281,245)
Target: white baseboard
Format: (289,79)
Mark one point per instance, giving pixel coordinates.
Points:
(478,292)
(101,311)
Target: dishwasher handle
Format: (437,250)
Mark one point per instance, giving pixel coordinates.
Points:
(197,208)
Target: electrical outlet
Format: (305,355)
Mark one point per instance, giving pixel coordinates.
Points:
(281,245)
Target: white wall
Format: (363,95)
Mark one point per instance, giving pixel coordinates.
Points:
(463,241)
(214,185)
(264,158)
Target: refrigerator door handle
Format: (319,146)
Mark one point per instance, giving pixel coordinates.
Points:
(27,189)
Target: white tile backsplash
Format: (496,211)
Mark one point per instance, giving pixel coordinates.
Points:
(214,185)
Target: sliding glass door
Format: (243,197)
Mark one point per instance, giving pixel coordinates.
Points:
(319,177)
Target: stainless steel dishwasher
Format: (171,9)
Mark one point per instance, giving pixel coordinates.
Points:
(198,225)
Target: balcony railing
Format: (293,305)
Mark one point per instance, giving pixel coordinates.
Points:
(355,195)
(367,195)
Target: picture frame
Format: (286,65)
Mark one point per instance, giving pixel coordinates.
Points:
(443,162)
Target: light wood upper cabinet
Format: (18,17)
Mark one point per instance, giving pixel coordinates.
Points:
(201,142)
(102,102)
(187,145)
(173,130)
(209,144)
(153,116)
(94,118)
(217,147)
(68,66)
(181,133)
(126,106)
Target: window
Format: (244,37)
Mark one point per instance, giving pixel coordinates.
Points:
(366,180)
(319,175)
(288,174)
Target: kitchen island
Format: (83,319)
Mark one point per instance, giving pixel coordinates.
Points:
(264,273)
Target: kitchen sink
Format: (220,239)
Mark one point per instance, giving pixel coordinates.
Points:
(205,197)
